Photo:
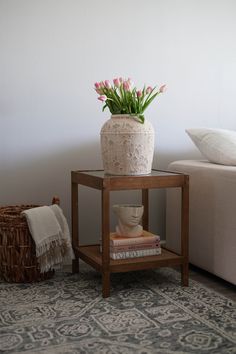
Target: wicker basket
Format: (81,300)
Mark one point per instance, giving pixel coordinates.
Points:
(18,261)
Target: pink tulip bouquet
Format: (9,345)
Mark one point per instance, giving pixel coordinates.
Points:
(122,97)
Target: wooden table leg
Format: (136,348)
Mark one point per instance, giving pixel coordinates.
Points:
(106,284)
(105,243)
(145,202)
(185,232)
(184,274)
(75,225)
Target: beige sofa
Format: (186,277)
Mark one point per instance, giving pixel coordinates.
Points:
(212,231)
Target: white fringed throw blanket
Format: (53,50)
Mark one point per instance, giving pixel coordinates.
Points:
(50,232)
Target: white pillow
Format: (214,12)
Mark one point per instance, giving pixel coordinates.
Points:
(217,145)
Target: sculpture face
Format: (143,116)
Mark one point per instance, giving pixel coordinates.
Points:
(129,216)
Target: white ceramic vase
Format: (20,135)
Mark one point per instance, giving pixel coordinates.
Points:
(127,145)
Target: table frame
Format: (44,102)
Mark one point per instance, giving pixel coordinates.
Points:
(106,184)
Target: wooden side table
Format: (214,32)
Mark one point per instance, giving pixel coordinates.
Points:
(106,183)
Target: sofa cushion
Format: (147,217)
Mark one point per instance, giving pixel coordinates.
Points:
(217,145)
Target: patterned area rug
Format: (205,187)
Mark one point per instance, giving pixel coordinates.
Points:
(148,312)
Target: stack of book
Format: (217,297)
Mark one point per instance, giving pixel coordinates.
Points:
(131,247)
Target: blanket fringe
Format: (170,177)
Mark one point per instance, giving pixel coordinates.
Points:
(53,253)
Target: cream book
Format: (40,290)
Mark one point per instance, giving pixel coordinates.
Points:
(146,237)
(136,253)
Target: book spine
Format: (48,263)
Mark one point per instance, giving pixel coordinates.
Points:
(135,240)
(135,254)
(134,247)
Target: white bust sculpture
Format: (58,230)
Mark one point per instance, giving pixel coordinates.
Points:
(129,216)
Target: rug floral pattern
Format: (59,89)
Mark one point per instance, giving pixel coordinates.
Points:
(148,312)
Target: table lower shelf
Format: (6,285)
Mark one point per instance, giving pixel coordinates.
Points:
(92,255)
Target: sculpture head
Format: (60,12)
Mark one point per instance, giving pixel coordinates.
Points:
(129,217)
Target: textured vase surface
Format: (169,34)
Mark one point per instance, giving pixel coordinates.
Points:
(127,146)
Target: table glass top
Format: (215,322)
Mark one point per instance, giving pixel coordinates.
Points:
(101,174)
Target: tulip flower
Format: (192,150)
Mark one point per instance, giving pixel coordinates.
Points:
(126,85)
(139,93)
(97,85)
(102,98)
(107,84)
(116,82)
(149,90)
(162,88)
(99,91)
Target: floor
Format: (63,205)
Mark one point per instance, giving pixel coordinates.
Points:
(211,281)
(147,312)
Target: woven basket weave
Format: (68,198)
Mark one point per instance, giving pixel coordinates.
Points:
(18,261)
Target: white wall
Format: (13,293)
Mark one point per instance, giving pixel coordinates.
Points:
(52,52)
